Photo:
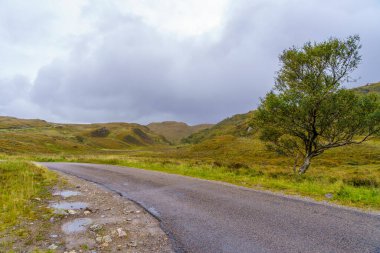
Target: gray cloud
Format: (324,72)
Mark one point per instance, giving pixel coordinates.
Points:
(126,70)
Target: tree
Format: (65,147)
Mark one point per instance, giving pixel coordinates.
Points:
(308,112)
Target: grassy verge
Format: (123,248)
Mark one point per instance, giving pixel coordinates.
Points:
(23,187)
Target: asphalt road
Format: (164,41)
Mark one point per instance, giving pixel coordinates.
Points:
(207,217)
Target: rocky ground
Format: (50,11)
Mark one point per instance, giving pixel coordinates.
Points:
(89,218)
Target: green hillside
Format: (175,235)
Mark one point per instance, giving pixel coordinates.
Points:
(15,123)
(237,125)
(372,88)
(37,136)
(175,131)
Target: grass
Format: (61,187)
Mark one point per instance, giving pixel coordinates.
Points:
(22,184)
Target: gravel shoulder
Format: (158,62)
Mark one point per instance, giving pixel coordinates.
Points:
(89,218)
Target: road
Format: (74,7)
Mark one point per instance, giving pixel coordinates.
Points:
(205,216)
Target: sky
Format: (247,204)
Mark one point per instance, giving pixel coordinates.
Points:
(197,61)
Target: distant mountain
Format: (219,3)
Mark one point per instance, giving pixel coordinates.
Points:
(15,123)
(175,131)
(29,136)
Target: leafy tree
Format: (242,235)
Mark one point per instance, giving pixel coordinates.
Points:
(308,112)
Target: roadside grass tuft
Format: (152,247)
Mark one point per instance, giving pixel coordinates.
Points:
(22,185)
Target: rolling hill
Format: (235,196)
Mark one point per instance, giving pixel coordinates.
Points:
(38,136)
(239,125)
(371,88)
(175,131)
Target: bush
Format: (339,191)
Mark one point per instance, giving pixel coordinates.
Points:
(360,181)
(101,132)
(237,165)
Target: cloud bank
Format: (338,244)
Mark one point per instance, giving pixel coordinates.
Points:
(98,61)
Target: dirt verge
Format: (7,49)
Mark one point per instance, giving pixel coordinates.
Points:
(90,218)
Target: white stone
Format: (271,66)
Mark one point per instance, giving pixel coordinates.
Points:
(53,247)
(96,227)
(107,239)
(121,232)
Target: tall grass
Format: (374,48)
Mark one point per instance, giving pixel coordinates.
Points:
(21,184)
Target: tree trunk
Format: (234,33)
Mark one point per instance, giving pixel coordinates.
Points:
(295,164)
(305,165)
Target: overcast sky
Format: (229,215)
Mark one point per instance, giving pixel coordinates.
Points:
(154,60)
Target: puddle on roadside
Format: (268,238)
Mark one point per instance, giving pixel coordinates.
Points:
(76,226)
(69,205)
(66,194)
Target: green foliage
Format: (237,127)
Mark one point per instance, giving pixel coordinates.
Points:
(308,112)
